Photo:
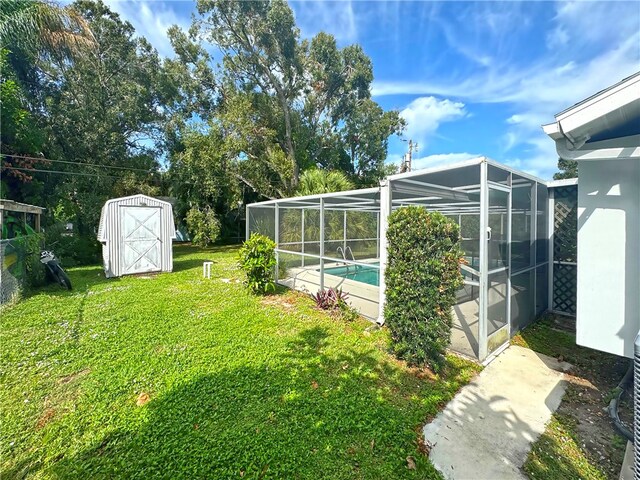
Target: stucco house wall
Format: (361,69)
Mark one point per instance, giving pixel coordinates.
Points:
(609,255)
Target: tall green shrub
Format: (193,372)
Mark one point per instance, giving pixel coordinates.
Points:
(258,258)
(33,271)
(203,225)
(422,277)
(72,249)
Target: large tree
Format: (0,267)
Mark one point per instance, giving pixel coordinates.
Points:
(105,112)
(32,32)
(261,49)
(365,136)
(202,175)
(20,138)
(293,104)
(102,118)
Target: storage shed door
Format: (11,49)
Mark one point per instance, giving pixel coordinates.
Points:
(141,246)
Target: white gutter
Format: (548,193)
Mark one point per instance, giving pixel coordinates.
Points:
(575,126)
(619,148)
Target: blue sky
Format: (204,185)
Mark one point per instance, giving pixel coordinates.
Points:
(470,78)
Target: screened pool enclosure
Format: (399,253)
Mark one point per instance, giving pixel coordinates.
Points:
(339,240)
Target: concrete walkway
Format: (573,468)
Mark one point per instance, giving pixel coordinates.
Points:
(486,431)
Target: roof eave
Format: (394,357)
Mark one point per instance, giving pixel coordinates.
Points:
(618,149)
(576,125)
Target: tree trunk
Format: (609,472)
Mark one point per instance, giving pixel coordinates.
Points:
(290,150)
(288,135)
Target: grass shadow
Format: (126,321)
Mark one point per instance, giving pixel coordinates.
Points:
(82,279)
(312,414)
(545,337)
(579,441)
(558,454)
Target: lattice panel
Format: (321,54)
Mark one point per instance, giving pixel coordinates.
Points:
(565,221)
(565,246)
(564,288)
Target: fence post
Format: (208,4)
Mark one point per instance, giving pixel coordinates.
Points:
(321,243)
(385,211)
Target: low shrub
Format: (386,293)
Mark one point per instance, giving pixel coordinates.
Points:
(72,249)
(203,226)
(257,258)
(335,301)
(330,298)
(422,277)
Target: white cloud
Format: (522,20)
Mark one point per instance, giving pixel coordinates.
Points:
(545,80)
(336,18)
(515,119)
(593,24)
(438,159)
(425,114)
(151,20)
(597,53)
(557,38)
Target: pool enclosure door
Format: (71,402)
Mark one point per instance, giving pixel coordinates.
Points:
(495,302)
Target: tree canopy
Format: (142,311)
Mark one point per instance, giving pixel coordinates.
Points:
(293,103)
(245,109)
(566,169)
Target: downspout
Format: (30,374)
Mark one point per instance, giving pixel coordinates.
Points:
(572,145)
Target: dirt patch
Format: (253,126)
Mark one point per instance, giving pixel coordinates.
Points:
(73,377)
(278,301)
(586,400)
(48,414)
(423,373)
(143,399)
(61,398)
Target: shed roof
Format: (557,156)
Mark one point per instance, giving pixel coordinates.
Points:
(138,195)
(129,200)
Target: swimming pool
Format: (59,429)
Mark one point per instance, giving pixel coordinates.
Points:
(358,273)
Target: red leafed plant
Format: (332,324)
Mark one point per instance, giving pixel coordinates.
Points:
(330,298)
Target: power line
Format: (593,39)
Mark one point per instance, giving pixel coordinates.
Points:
(58,172)
(80,163)
(2,155)
(64,173)
(82,174)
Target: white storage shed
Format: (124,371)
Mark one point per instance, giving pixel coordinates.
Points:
(136,233)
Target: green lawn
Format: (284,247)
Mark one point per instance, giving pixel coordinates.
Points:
(176,376)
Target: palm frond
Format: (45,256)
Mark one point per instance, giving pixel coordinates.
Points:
(43,27)
(315,180)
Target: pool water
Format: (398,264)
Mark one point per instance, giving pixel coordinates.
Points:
(358,273)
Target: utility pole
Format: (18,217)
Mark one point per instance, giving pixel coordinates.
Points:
(406,162)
